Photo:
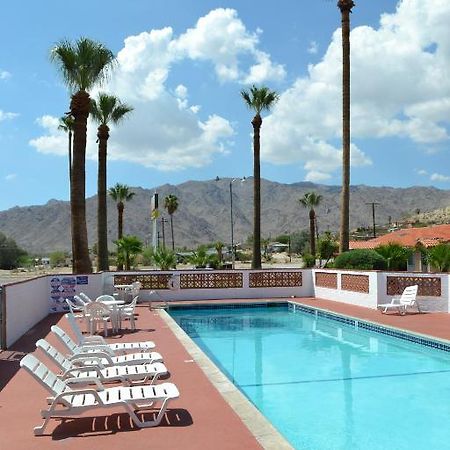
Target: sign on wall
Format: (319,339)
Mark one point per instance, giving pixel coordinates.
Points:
(63,287)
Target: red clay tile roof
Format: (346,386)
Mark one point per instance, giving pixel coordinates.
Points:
(409,237)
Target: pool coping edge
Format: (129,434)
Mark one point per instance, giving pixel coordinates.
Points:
(258,425)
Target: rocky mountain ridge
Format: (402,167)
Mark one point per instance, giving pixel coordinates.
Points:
(204,212)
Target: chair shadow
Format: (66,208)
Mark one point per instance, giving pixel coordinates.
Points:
(116,423)
(10,358)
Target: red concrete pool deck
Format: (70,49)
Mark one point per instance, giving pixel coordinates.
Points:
(199,419)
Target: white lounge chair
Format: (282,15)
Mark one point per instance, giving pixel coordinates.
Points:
(402,303)
(122,347)
(101,354)
(67,402)
(72,372)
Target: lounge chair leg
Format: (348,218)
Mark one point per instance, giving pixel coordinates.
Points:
(146,423)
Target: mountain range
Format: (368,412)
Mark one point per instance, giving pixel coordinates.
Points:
(203,214)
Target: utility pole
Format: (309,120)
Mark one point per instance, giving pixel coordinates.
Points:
(373,216)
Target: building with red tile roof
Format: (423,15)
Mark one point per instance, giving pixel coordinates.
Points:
(410,237)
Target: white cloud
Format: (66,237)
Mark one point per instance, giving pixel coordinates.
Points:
(4,74)
(317,176)
(400,88)
(165,131)
(11,176)
(439,177)
(313,48)
(7,115)
(55,141)
(222,38)
(422,172)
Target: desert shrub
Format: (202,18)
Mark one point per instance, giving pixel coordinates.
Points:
(308,260)
(360,259)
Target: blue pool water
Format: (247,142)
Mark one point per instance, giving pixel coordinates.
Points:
(325,385)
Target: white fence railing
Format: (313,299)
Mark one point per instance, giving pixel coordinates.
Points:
(26,303)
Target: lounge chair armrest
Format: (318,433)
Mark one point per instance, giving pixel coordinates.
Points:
(86,348)
(93,340)
(97,356)
(86,380)
(72,391)
(70,372)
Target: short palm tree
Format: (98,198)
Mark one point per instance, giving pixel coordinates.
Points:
(105,110)
(311,200)
(395,255)
(128,247)
(120,193)
(171,204)
(346,8)
(258,100)
(219,245)
(439,257)
(83,64)
(165,259)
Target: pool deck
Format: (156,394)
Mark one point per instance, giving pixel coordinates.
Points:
(200,419)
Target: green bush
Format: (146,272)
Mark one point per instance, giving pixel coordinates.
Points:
(308,260)
(360,259)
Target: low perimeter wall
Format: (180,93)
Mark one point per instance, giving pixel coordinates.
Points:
(26,303)
(373,288)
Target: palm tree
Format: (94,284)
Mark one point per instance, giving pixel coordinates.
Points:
(258,100)
(105,110)
(128,247)
(66,125)
(83,64)
(171,204)
(395,255)
(346,8)
(311,200)
(120,193)
(439,257)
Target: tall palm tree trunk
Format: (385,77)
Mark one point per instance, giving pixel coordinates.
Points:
(102,218)
(256,258)
(70,156)
(79,107)
(312,239)
(171,230)
(70,188)
(120,207)
(345,7)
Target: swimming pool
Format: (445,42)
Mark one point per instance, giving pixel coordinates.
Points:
(325,383)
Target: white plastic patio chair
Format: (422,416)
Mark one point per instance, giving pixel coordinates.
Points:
(66,401)
(101,354)
(85,297)
(120,347)
(127,313)
(73,372)
(98,313)
(402,303)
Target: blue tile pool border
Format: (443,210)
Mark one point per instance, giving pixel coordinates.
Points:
(352,321)
(371,326)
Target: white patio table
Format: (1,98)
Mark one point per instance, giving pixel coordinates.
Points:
(115,313)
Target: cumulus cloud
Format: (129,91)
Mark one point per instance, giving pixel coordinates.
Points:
(4,74)
(165,130)
(11,176)
(439,177)
(7,115)
(313,48)
(400,88)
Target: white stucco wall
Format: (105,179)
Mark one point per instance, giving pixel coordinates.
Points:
(353,298)
(26,304)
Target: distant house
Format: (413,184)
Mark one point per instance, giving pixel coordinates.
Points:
(415,238)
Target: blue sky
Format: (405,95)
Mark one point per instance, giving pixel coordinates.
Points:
(182,65)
